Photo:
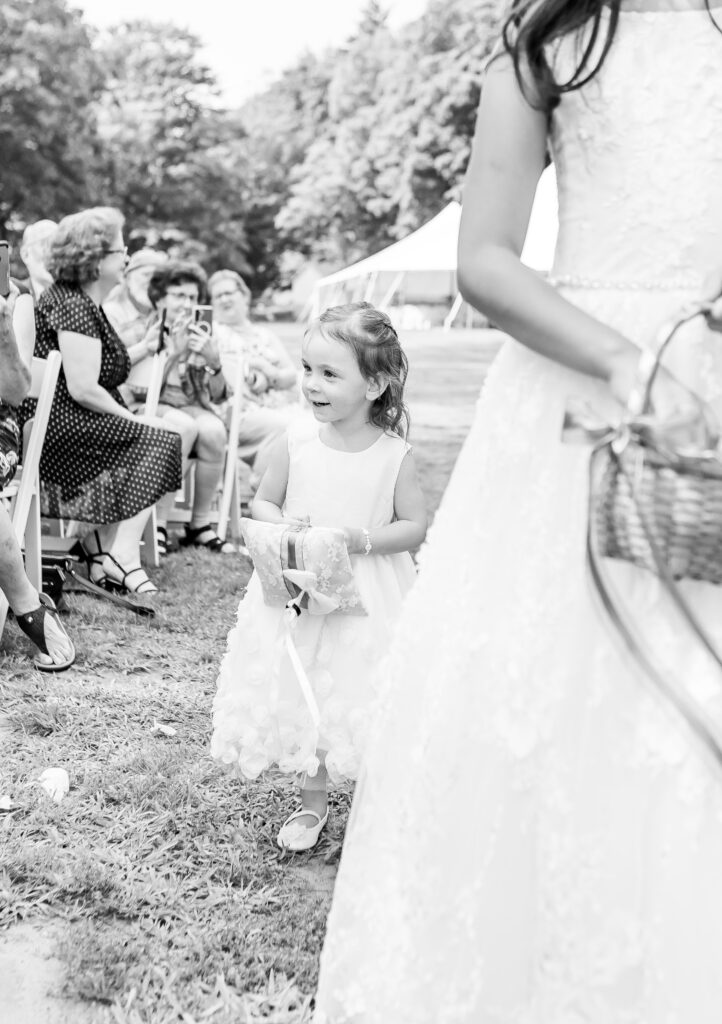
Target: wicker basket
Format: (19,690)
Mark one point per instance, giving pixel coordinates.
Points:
(661,509)
(652,503)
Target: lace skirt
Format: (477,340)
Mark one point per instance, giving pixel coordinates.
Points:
(536,836)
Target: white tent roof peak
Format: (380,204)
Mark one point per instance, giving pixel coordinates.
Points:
(431,247)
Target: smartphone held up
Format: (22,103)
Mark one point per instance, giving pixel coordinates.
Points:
(4,269)
(203,316)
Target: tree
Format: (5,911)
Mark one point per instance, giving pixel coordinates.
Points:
(49,78)
(395,145)
(170,154)
(276,130)
(331,210)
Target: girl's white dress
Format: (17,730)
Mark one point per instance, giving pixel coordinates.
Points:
(536,837)
(260,716)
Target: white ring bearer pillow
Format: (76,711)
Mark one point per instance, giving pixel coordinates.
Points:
(305,568)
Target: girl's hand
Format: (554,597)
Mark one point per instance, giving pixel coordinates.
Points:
(713,291)
(355,540)
(678,416)
(257,382)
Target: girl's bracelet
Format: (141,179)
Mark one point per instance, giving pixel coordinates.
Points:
(368,546)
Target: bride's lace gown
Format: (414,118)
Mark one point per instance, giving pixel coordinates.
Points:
(537,838)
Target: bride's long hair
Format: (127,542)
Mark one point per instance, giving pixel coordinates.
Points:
(532,24)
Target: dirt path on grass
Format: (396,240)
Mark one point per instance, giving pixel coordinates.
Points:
(32,980)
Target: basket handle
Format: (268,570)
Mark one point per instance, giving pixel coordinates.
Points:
(639,402)
(691,711)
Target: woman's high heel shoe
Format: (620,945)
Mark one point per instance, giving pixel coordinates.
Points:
(128,581)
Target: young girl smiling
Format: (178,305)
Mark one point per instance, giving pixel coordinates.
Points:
(351,470)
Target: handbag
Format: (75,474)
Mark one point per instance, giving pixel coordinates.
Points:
(60,567)
(658,506)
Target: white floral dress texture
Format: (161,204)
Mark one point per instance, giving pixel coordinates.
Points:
(536,837)
(260,716)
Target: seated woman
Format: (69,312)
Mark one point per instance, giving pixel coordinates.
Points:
(100,463)
(34,613)
(271,393)
(194,389)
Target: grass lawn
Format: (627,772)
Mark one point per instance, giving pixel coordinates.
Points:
(158,876)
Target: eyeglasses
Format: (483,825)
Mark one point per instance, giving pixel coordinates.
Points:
(113,252)
(217,296)
(182,296)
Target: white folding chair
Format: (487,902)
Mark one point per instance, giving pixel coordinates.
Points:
(229,513)
(152,399)
(23,494)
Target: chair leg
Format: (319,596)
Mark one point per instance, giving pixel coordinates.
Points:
(229,496)
(4,608)
(150,540)
(236,533)
(33,547)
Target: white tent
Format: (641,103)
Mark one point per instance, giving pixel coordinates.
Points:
(421,268)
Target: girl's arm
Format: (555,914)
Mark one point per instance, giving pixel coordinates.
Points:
(409,528)
(271,493)
(507,161)
(81,364)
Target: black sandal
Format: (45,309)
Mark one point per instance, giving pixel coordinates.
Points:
(90,558)
(33,626)
(193,535)
(121,586)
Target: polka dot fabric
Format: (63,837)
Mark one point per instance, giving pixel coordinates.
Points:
(96,467)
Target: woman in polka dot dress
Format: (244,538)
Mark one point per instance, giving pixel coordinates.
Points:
(100,463)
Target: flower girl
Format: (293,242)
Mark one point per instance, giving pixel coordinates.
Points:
(296,686)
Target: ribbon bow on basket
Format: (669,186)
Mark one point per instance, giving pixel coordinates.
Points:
(657,503)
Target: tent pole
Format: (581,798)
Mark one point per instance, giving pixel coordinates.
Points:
(453,312)
(395,285)
(370,285)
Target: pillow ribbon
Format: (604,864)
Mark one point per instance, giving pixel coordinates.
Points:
(302,585)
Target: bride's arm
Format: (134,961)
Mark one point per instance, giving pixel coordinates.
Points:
(507,161)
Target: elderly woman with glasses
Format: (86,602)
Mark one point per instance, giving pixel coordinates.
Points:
(271,395)
(194,390)
(100,463)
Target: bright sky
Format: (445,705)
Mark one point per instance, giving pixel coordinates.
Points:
(248,42)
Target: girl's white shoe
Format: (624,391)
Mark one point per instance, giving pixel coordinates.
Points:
(296,837)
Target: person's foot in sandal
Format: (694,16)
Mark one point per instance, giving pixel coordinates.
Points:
(42,625)
(129,581)
(206,537)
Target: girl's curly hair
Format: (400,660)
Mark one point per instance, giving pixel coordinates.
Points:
(376,347)
(81,242)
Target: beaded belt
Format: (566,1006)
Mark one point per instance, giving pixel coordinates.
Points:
(672,284)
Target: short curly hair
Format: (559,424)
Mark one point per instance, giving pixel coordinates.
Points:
(176,272)
(81,242)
